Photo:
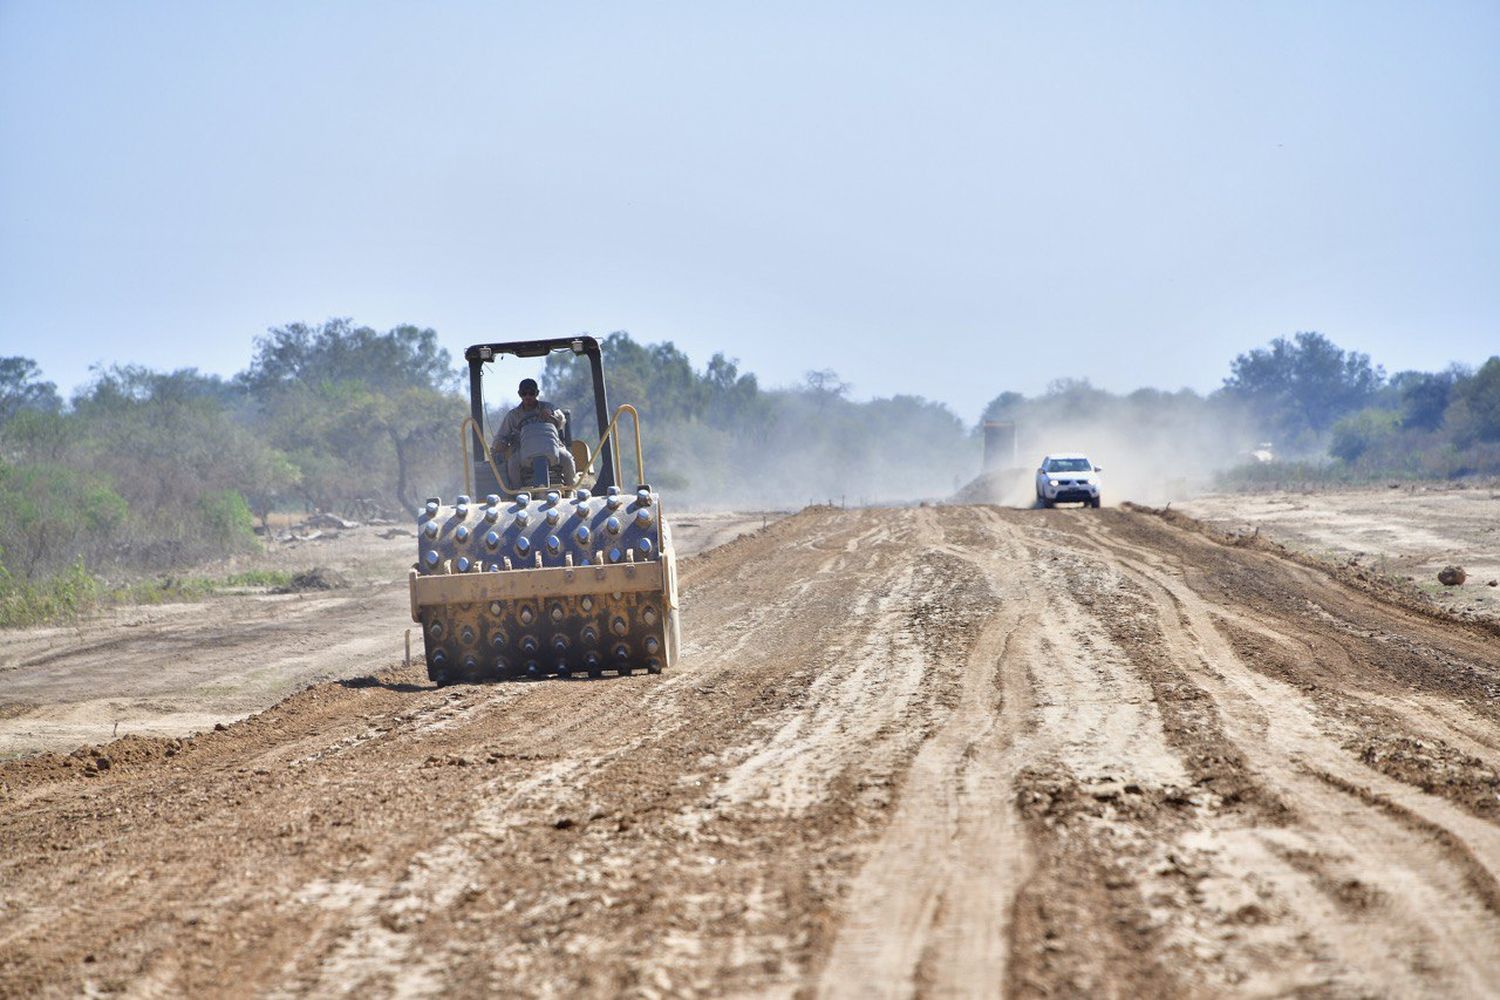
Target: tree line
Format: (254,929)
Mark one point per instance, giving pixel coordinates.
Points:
(1330,412)
(142,470)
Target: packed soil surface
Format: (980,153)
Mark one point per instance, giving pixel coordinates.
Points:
(1409,531)
(172,669)
(942,751)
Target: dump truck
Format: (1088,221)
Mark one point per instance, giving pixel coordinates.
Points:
(569,577)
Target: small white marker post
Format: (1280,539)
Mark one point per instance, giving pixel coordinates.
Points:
(408,649)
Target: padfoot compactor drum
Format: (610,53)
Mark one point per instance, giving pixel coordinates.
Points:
(552,579)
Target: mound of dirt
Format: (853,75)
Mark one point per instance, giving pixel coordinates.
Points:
(1003,486)
(319,578)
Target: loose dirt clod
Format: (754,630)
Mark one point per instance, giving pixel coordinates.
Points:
(1452,576)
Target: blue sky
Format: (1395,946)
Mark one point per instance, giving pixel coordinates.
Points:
(943,199)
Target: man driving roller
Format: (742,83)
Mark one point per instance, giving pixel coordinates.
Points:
(530,439)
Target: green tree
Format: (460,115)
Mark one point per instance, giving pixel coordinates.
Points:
(168,443)
(1003,407)
(1425,396)
(1475,411)
(734,398)
(824,385)
(1299,387)
(40,436)
(1358,433)
(270,480)
(22,388)
(55,515)
(418,422)
(339,351)
(358,412)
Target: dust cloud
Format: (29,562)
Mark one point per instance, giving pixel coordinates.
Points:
(796,449)
(1150,454)
(716,440)
(884,452)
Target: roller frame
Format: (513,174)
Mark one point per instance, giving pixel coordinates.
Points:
(475,623)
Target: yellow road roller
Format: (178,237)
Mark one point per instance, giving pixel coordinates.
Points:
(546,568)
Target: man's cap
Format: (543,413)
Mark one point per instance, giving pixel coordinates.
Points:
(527,387)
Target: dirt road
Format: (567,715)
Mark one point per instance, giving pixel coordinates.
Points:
(945,751)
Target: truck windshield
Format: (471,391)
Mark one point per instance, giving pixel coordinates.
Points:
(1069,465)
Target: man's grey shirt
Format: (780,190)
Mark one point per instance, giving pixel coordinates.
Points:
(535,430)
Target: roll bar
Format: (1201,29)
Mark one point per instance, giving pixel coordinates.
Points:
(581,345)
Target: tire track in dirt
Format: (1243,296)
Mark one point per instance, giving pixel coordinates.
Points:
(1113,908)
(1438,921)
(867,709)
(930,908)
(954,899)
(1433,740)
